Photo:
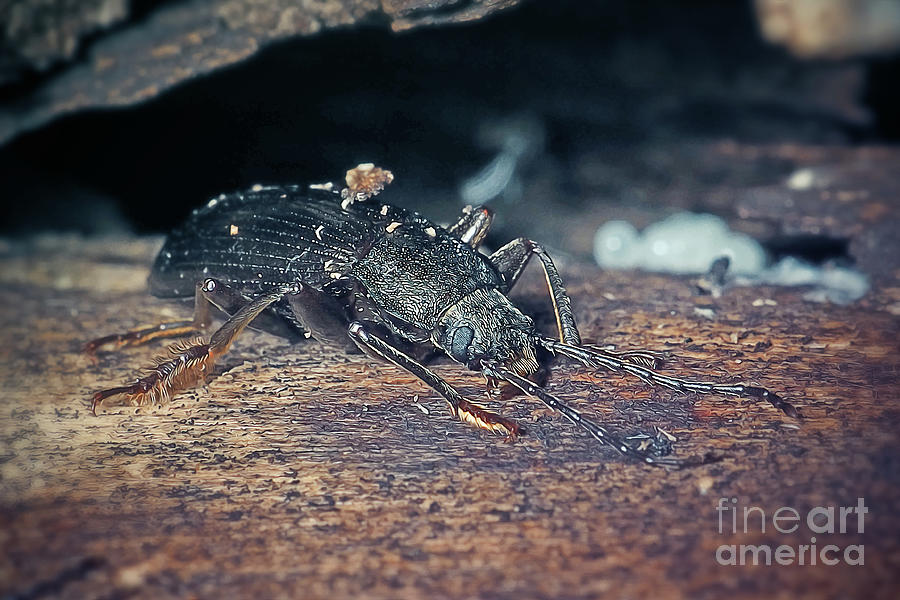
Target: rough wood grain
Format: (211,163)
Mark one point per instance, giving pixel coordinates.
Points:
(150,51)
(305,472)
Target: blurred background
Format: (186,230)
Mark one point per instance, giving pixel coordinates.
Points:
(119,117)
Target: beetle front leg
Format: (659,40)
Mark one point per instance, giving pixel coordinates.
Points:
(188,363)
(510,261)
(463,409)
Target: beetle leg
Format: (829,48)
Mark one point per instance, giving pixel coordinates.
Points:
(189,363)
(510,261)
(201,320)
(209,292)
(463,409)
(230,301)
(472,226)
(321,315)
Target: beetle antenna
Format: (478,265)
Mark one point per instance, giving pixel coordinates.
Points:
(622,363)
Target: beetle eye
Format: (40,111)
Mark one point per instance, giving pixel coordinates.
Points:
(459,342)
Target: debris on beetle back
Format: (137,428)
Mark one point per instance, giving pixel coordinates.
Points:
(363,182)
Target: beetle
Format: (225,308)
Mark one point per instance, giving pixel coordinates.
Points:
(338,266)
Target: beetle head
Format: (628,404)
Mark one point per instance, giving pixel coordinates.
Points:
(485,326)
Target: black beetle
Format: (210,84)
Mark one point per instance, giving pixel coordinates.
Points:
(338,266)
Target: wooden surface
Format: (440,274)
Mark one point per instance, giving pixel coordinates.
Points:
(298,471)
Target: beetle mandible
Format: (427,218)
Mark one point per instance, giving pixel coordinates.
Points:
(313,261)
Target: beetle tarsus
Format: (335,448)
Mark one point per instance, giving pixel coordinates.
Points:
(140,336)
(189,364)
(476,415)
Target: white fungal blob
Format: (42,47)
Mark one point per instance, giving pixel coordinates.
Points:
(682,243)
(689,243)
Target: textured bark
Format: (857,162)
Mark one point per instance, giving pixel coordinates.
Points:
(146,54)
(298,470)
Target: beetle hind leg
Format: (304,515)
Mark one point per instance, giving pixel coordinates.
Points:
(188,363)
(136,337)
(201,320)
(209,293)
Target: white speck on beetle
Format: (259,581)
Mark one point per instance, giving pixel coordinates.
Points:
(328,264)
(307,334)
(335,275)
(327,186)
(346,202)
(256,187)
(430,231)
(233,229)
(384,210)
(319,231)
(393,226)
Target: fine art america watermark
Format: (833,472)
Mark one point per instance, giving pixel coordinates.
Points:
(737,519)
